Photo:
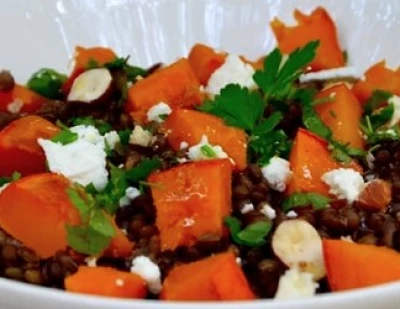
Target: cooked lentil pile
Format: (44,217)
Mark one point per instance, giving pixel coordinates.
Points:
(213,178)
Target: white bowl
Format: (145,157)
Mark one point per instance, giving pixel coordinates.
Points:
(43,33)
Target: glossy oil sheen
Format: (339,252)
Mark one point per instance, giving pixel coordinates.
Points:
(43,33)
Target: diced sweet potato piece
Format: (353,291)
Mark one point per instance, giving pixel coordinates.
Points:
(120,245)
(20,100)
(176,85)
(309,160)
(204,61)
(352,266)
(378,77)
(35,210)
(106,281)
(316,26)
(82,57)
(189,126)
(19,149)
(215,278)
(342,114)
(191,201)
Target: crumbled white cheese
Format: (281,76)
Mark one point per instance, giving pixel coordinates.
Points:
(82,161)
(345,183)
(130,194)
(15,106)
(338,73)
(140,137)
(268,211)
(148,271)
(233,71)
(119,282)
(89,134)
(277,173)
(296,284)
(395,100)
(158,110)
(111,139)
(247,208)
(183,145)
(239,261)
(292,214)
(91,261)
(188,222)
(195,153)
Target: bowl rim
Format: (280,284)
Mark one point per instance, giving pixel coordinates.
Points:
(38,293)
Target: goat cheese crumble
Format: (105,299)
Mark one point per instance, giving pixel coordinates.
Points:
(82,161)
(277,172)
(205,151)
(156,112)
(337,73)
(130,194)
(140,137)
(148,271)
(345,183)
(233,71)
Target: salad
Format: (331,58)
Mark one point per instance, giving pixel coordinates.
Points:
(214,178)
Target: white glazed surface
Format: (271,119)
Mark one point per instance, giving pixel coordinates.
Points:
(43,33)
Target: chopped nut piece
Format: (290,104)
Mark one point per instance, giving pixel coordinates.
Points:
(376,195)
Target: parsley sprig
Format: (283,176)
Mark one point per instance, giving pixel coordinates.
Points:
(317,201)
(14,177)
(245,109)
(94,234)
(375,121)
(65,136)
(252,235)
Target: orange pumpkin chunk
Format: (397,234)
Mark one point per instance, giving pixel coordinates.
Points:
(191,201)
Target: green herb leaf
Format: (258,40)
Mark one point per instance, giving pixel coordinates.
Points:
(268,145)
(208,151)
(252,236)
(317,201)
(313,123)
(378,97)
(384,135)
(345,56)
(95,232)
(277,78)
(344,153)
(381,117)
(48,83)
(86,240)
(101,125)
(143,170)
(269,124)
(64,137)
(237,107)
(124,136)
(132,72)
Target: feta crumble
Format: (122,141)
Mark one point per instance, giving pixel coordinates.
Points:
(345,183)
(196,152)
(130,194)
(296,284)
(3,187)
(268,211)
(337,73)
(277,172)
(247,208)
(158,110)
(395,100)
(82,161)
(239,261)
(233,71)
(148,271)
(140,137)
(15,106)
(111,139)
